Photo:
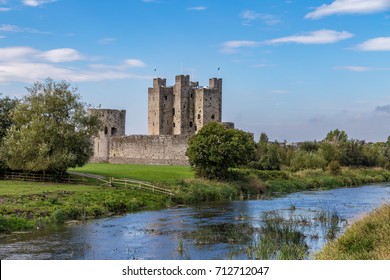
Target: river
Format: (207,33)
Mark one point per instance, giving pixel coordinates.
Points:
(225,230)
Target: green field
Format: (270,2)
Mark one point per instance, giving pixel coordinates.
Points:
(158,174)
(26,205)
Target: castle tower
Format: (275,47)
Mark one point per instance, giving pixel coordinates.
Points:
(113,124)
(160,105)
(208,104)
(184,108)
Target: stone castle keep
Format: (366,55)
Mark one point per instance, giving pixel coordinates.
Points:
(174,114)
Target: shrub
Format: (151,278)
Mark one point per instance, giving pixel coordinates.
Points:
(334,167)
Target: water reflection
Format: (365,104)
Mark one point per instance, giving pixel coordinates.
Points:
(253,229)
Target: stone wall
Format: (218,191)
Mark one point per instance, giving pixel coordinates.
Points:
(113,124)
(149,149)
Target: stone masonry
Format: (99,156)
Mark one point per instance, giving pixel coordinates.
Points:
(174,114)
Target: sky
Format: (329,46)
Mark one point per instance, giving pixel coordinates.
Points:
(293,69)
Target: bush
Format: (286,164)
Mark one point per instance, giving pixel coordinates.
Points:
(334,167)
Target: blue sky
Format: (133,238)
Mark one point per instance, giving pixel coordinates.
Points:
(293,69)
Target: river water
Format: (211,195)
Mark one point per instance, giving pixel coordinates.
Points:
(211,231)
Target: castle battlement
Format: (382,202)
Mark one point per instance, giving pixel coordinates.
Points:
(184,108)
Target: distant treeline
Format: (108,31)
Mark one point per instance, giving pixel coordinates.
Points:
(333,152)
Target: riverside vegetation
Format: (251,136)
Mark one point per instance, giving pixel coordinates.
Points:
(49,130)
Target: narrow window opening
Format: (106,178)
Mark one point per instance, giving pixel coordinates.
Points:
(174,125)
(191,124)
(165,97)
(198,116)
(113,131)
(212,116)
(105,130)
(173,111)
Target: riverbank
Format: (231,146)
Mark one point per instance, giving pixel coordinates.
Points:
(27,205)
(367,239)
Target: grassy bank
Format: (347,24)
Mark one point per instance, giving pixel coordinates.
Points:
(28,205)
(367,239)
(283,182)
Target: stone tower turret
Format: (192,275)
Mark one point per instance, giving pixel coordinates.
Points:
(113,124)
(184,108)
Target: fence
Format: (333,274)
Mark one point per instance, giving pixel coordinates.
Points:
(87,180)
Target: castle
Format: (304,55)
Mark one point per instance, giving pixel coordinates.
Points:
(175,113)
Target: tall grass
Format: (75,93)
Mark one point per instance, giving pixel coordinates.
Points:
(367,239)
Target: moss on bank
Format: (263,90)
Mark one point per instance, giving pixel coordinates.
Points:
(367,239)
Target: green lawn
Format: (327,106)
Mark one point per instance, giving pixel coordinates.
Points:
(161,174)
(25,205)
(28,188)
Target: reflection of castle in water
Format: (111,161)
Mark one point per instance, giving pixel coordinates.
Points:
(174,114)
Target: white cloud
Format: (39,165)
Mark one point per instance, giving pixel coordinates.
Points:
(361,68)
(36,3)
(17,53)
(61,55)
(375,44)
(16,29)
(198,8)
(349,7)
(135,63)
(354,68)
(232,46)
(2,37)
(250,16)
(25,64)
(2,9)
(316,37)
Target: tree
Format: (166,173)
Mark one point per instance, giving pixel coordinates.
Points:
(51,130)
(6,106)
(215,149)
(336,136)
(352,153)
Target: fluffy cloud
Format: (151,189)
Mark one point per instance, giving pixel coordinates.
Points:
(349,7)
(375,44)
(2,9)
(25,64)
(232,46)
(250,17)
(316,37)
(36,3)
(383,109)
(135,63)
(61,55)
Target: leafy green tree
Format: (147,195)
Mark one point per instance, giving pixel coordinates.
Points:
(336,136)
(307,160)
(352,153)
(272,158)
(6,106)
(330,151)
(215,149)
(51,130)
(309,146)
